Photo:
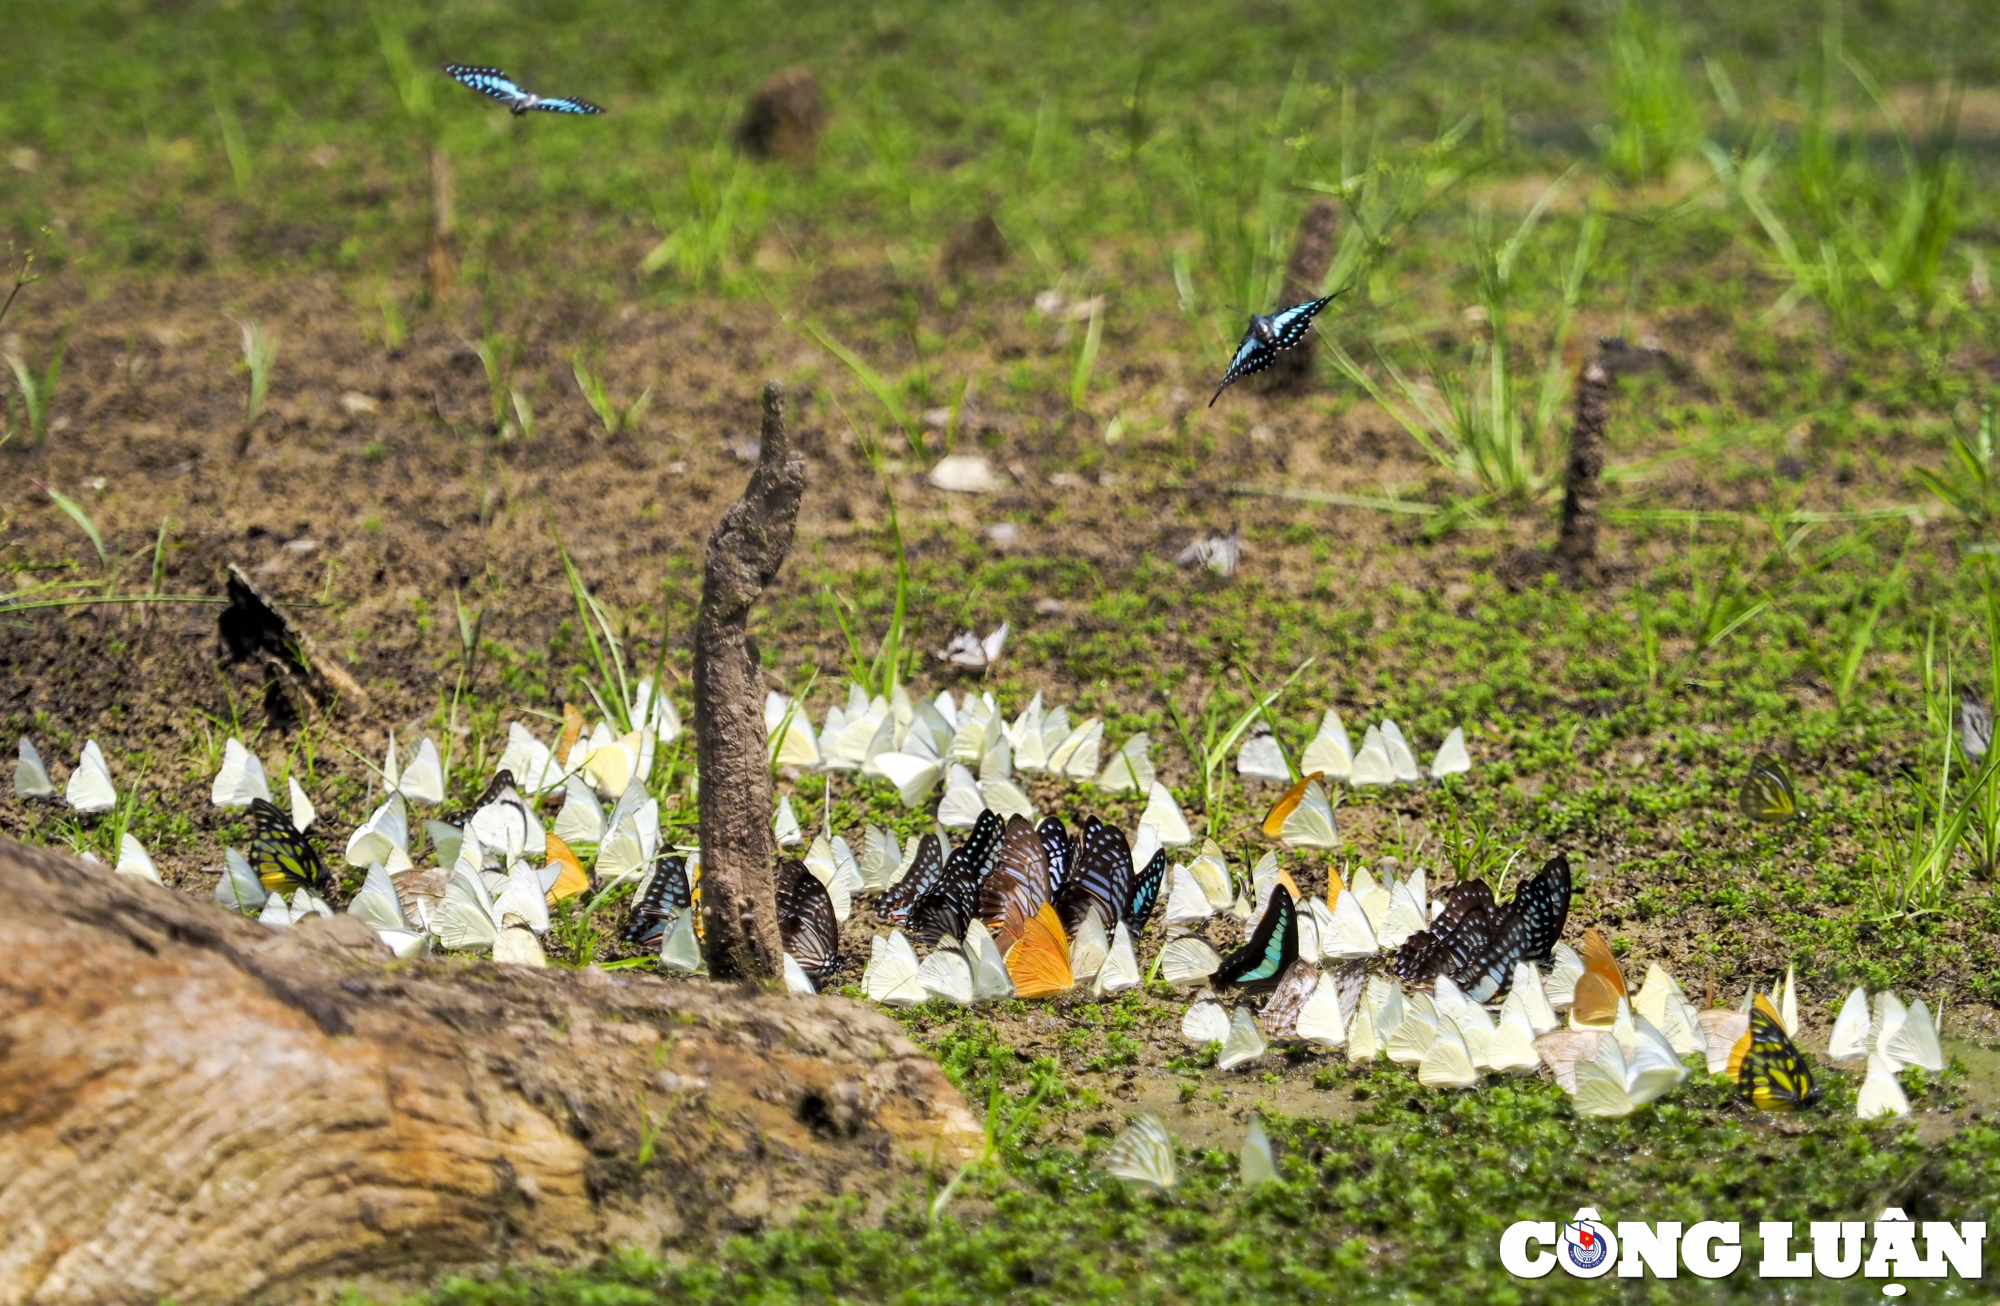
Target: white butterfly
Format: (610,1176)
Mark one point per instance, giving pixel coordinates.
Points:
(133,861)
(614,765)
(998,764)
(1849,1038)
(303,813)
(378,905)
(1527,997)
(1451,758)
(31,778)
(1076,757)
(1211,872)
(1261,758)
(1120,970)
(1787,1003)
(1025,738)
(282,914)
(945,974)
(239,889)
(1401,760)
(530,762)
(796,979)
(90,790)
(795,746)
(1310,824)
(1256,1163)
(879,860)
(973,653)
(1089,948)
(580,823)
(1205,1022)
(891,974)
(384,837)
(1907,1037)
(1880,1094)
(990,980)
(962,803)
(663,720)
(471,917)
(1346,933)
(1188,960)
(1245,1042)
(1610,1084)
(1130,768)
(832,863)
(1321,1021)
(1512,1048)
(1143,1154)
(1566,970)
(785,825)
(914,777)
(680,949)
(1004,799)
(241,780)
(1372,765)
(508,827)
(1412,1037)
(1187,904)
(1662,1001)
(1448,1061)
(1330,753)
(1165,816)
(422,781)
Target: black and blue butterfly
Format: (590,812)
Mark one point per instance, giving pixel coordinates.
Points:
(1271,950)
(1267,337)
(493,82)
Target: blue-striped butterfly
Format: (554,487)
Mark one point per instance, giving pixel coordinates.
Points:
(1101,878)
(1528,931)
(493,82)
(667,895)
(1460,933)
(1271,949)
(1145,892)
(1267,336)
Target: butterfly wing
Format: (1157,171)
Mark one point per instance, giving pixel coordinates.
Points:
(1039,963)
(487,81)
(1526,932)
(806,920)
(1060,850)
(1102,877)
(284,859)
(565,104)
(667,895)
(1253,355)
(1145,893)
(1769,1068)
(1289,326)
(1767,792)
(1018,884)
(1272,948)
(501,782)
(926,870)
(1462,931)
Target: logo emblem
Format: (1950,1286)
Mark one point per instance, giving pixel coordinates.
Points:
(1587,1247)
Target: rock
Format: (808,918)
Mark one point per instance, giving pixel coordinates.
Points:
(783,118)
(966,473)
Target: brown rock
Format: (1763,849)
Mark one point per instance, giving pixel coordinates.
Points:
(783,118)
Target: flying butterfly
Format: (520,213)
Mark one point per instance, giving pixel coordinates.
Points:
(1767,792)
(1768,1068)
(1145,892)
(1272,948)
(493,82)
(1101,877)
(1267,336)
(806,921)
(667,896)
(284,859)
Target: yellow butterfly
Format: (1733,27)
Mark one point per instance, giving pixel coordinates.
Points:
(570,879)
(282,857)
(1767,792)
(1039,962)
(1768,1067)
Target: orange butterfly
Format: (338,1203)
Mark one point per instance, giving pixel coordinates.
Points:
(570,881)
(1599,988)
(1274,822)
(572,731)
(1039,963)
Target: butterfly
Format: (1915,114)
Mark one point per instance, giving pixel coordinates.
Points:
(1767,792)
(1272,948)
(284,859)
(806,922)
(926,869)
(1600,988)
(1303,818)
(1266,337)
(667,896)
(493,82)
(1145,893)
(1143,1154)
(1060,850)
(501,782)
(1460,932)
(1039,963)
(1767,1067)
(952,900)
(1018,884)
(1526,932)
(1101,878)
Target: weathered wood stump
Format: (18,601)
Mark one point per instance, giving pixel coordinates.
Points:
(198,1108)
